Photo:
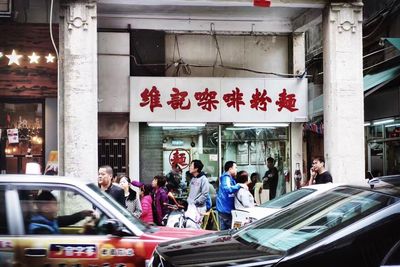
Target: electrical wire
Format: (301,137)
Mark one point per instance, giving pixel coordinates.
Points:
(60,168)
(385,15)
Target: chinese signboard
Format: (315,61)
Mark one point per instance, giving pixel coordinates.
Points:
(179,156)
(170,99)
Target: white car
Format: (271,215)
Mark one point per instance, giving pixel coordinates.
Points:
(241,217)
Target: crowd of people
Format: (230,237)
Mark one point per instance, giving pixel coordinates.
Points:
(235,191)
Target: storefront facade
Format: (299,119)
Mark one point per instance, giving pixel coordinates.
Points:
(28,97)
(215,120)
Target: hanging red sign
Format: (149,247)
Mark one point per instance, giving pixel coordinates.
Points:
(262,3)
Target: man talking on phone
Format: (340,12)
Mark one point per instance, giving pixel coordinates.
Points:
(319,175)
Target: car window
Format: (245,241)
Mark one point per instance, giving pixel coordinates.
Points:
(59,211)
(287,199)
(306,223)
(138,223)
(3,214)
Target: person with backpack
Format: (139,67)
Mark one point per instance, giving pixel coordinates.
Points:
(198,192)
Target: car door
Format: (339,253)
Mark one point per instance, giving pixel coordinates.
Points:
(80,240)
(7,252)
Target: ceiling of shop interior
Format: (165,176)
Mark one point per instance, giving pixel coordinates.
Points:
(281,11)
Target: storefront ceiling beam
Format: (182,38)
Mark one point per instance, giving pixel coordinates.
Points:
(194,25)
(284,16)
(226,3)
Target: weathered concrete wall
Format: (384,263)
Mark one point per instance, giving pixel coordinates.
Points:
(113,72)
(263,53)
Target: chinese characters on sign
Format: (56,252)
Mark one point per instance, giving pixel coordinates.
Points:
(176,99)
(179,156)
(207,99)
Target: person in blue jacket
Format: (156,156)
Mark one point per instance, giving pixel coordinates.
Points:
(226,195)
(46,221)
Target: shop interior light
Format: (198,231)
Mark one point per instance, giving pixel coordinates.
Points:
(367,123)
(175,125)
(261,125)
(247,128)
(383,122)
(392,125)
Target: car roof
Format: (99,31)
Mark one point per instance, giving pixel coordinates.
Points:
(326,186)
(35,178)
(387,185)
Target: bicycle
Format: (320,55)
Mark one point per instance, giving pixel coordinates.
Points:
(177,218)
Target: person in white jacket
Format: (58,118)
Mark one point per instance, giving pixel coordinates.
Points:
(243,197)
(198,192)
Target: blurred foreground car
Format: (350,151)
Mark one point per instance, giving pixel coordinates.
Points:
(346,226)
(115,238)
(392,259)
(241,217)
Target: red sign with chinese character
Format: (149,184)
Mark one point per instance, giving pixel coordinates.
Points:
(179,156)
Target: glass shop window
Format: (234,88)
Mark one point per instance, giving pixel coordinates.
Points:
(22,135)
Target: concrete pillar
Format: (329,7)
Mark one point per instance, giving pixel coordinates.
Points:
(343,92)
(134,156)
(78,88)
(296,128)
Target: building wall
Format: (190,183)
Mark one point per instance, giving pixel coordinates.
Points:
(113,71)
(262,53)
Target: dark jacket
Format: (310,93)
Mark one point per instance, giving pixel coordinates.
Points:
(159,209)
(117,193)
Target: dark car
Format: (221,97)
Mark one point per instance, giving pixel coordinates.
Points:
(392,259)
(346,226)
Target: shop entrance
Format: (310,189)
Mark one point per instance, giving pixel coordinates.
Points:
(214,144)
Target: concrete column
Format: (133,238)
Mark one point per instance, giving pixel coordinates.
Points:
(78,92)
(296,128)
(134,156)
(343,92)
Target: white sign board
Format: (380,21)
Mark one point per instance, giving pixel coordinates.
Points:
(171,99)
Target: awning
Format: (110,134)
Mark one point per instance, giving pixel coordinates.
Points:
(394,41)
(373,82)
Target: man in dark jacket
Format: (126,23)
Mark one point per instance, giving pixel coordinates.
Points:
(270,178)
(106,185)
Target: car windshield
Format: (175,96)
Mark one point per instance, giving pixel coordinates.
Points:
(138,223)
(304,224)
(287,199)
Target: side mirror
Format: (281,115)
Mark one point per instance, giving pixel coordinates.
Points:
(112,227)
